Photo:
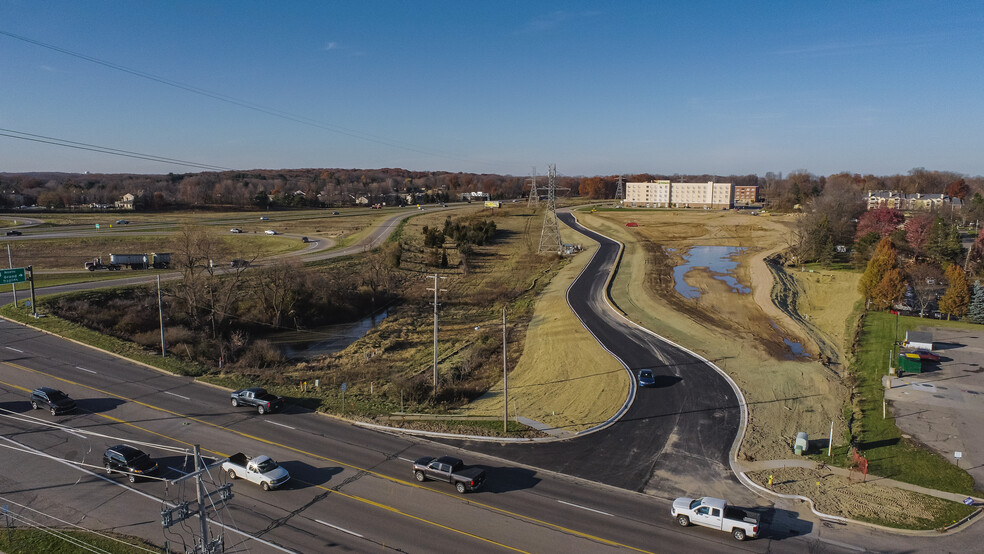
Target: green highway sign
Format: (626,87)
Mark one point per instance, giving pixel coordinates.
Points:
(11,276)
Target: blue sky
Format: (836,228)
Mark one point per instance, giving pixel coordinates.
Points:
(597,88)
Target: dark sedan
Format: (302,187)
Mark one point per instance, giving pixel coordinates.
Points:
(127,459)
(54,400)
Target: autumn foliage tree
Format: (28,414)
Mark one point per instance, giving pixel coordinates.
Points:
(881,220)
(882,283)
(917,231)
(957,295)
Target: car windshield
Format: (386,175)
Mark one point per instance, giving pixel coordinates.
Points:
(138,458)
(56,395)
(266,465)
(646,374)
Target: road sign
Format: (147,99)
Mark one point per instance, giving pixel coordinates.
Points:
(968,501)
(11,276)
(344,387)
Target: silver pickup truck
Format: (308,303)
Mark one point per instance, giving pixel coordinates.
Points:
(716,514)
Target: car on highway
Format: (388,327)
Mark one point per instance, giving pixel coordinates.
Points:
(259,398)
(716,514)
(122,222)
(14,233)
(270,232)
(262,470)
(54,400)
(126,459)
(334,213)
(264,218)
(235,230)
(450,470)
(239,262)
(646,378)
(305,239)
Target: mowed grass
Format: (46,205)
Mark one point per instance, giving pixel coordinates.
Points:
(889,454)
(33,541)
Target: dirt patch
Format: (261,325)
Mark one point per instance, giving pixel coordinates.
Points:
(851,498)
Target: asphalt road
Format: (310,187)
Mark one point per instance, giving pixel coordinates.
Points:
(351,487)
(675,437)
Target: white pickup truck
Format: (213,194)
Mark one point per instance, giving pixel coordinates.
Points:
(261,470)
(716,514)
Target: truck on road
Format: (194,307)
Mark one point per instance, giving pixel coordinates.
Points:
(156,260)
(261,470)
(716,514)
(450,470)
(97,263)
(259,398)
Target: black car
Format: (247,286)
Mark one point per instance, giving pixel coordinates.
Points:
(55,400)
(127,459)
(14,233)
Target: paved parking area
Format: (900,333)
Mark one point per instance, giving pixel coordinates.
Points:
(943,407)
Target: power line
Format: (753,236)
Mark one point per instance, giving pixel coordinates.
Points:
(244,103)
(106,150)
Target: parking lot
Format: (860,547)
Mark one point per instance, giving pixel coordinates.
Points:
(943,407)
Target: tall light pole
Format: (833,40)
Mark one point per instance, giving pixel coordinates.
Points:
(505,378)
(436,289)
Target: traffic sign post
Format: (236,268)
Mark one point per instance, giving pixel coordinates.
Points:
(12,276)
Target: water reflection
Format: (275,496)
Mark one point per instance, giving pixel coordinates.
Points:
(310,343)
(720,261)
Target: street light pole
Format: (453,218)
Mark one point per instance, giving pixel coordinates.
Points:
(505,378)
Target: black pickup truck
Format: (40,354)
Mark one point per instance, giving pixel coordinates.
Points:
(450,470)
(259,398)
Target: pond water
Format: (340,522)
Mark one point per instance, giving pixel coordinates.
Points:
(719,260)
(310,343)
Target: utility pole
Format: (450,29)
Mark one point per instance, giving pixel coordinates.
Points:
(182,512)
(534,194)
(436,289)
(550,234)
(505,378)
(34,302)
(160,312)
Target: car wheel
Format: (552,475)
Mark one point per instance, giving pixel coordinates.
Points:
(420,476)
(738,534)
(34,404)
(109,469)
(460,487)
(132,478)
(235,403)
(54,411)
(260,410)
(265,485)
(684,521)
(232,474)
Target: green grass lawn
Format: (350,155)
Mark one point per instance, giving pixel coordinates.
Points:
(889,454)
(56,541)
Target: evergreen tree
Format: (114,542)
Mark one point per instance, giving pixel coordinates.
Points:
(957,295)
(975,312)
(881,263)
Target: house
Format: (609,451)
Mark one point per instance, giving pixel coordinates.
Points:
(125,203)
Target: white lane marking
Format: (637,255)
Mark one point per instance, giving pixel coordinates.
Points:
(178,395)
(14,349)
(406,459)
(74,433)
(280,424)
(586,508)
(339,528)
(84,369)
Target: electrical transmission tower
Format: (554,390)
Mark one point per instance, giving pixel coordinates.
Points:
(550,235)
(619,196)
(534,194)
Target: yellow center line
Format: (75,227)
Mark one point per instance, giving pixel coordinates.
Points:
(327,459)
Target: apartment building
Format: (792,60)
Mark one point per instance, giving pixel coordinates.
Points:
(664,194)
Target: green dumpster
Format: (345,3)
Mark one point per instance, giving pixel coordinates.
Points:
(908,364)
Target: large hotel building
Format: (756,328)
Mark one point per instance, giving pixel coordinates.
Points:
(664,194)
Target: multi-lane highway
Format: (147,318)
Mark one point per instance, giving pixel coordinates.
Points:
(351,487)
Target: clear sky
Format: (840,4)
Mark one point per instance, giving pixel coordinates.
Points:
(597,88)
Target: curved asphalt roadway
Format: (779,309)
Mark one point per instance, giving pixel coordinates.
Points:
(673,439)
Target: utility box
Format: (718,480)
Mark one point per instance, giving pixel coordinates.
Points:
(909,364)
(918,340)
(802,444)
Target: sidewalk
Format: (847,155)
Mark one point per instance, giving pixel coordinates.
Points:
(745,467)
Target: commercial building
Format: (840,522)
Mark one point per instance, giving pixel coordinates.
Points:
(664,194)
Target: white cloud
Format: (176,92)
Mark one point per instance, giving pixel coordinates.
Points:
(331,46)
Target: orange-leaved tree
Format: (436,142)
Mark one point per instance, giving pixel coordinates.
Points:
(957,295)
(881,264)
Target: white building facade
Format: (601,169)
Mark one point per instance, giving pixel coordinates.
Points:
(664,194)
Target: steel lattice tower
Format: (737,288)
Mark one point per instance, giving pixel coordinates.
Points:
(534,194)
(550,235)
(618,192)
